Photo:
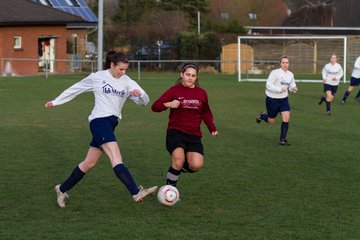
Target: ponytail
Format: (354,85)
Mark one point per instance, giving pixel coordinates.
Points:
(115,57)
(109,54)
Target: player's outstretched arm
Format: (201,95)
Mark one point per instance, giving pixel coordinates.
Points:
(49,105)
(139,96)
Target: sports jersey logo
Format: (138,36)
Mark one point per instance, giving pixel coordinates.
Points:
(284,83)
(332,73)
(108,89)
(191,103)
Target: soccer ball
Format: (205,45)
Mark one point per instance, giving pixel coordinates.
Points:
(168,195)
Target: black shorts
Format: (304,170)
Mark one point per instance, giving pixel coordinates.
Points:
(102,130)
(333,89)
(276,105)
(177,139)
(354,81)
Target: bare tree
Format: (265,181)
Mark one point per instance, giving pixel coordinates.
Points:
(167,24)
(311,13)
(294,5)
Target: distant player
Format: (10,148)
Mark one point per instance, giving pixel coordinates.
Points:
(354,81)
(277,85)
(188,104)
(332,72)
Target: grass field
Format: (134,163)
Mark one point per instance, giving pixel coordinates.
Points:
(249,187)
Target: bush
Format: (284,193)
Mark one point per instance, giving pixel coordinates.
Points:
(187,45)
(209,46)
(194,46)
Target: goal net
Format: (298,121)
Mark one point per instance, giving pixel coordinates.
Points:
(259,55)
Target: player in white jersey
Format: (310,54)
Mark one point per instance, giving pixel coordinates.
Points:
(332,72)
(277,85)
(111,88)
(354,81)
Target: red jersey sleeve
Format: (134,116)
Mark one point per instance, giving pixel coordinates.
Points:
(207,116)
(158,105)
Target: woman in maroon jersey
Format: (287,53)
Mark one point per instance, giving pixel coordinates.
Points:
(188,105)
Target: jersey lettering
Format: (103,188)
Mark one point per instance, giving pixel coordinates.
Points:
(108,89)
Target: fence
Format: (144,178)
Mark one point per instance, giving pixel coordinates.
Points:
(31,66)
(11,66)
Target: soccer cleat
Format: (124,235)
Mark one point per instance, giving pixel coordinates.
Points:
(321,100)
(342,102)
(328,113)
(284,142)
(258,118)
(60,196)
(143,192)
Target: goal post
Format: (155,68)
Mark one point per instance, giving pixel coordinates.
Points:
(258,55)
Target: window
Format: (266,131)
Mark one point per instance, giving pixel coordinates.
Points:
(224,15)
(17,42)
(74,3)
(45,2)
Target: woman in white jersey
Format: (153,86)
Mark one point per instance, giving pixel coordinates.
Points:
(277,85)
(332,72)
(354,81)
(111,88)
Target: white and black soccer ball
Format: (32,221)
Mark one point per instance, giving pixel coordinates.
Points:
(168,195)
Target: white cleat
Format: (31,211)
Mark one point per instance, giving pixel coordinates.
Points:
(60,196)
(143,192)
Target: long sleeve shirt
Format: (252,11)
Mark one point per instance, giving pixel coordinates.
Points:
(356,70)
(192,110)
(332,73)
(278,80)
(110,93)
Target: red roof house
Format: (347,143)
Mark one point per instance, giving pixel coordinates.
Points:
(34,36)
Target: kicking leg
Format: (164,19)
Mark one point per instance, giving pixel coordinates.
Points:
(113,152)
(77,174)
(195,161)
(178,160)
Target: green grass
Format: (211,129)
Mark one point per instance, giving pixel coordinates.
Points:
(249,187)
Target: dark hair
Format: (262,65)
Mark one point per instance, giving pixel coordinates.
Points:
(114,57)
(186,66)
(282,57)
(189,64)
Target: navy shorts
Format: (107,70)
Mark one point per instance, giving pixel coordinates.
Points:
(354,81)
(102,130)
(276,105)
(331,88)
(177,139)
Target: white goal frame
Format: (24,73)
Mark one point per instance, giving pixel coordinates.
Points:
(344,38)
